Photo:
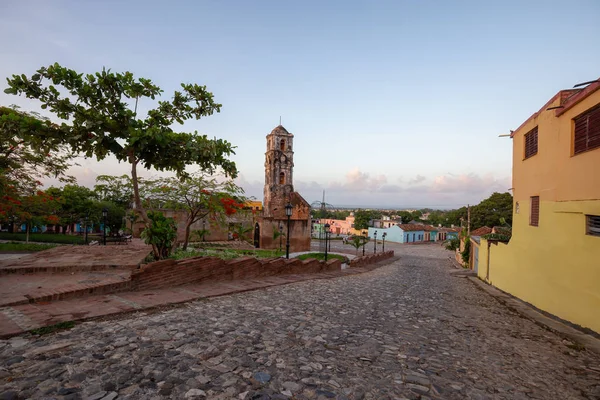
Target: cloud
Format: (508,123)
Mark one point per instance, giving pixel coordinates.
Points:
(417,179)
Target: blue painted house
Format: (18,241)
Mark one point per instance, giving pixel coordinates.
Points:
(401,233)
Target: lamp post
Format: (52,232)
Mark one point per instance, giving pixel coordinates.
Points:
(326,236)
(375,243)
(203,230)
(132,220)
(364,240)
(104,214)
(383,237)
(280,235)
(288,213)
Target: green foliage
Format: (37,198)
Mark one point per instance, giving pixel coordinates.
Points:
(161,234)
(99,118)
(241,232)
(225,254)
(357,242)
(25,247)
(53,328)
(321,257)
(495,210)
(200,196)
(466,253)
(30,149)
(362,218)
(43,237)
(452,244)
(318,213)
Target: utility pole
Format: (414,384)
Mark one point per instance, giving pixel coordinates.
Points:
(468,219)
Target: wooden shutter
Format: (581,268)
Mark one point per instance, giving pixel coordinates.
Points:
(534,218)
(531,142)
(587,131)
(593,225)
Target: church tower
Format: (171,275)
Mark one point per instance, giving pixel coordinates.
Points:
(279,168)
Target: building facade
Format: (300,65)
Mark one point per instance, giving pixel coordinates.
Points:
(553,258)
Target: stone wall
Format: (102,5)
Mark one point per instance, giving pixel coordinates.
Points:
(211,269)
(370,259)
(299,234)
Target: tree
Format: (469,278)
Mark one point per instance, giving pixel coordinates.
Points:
(358,241)
(30,149)
(116,189)
(101,111)
(199,196)
(493,211)
(161,234)
(34,209)
(362,218)
(74,203)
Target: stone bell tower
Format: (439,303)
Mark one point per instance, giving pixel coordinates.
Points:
(279,170)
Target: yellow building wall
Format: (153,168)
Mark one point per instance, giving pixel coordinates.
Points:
(556,265)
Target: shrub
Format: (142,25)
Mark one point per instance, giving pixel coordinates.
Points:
(161,234)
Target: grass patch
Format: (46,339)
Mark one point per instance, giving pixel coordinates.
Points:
(225,254)
(53,328)
(321,257)
(43,237)
(20,246)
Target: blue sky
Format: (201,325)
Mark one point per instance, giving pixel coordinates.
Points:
(395,103)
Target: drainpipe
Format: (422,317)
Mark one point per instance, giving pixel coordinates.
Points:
(487,274)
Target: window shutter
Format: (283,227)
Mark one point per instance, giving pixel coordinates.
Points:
(593,225)
(531,142)
(587,131)
(534,218)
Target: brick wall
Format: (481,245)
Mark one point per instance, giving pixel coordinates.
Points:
(211,269)
(370,259)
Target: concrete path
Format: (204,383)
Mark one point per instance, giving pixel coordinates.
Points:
(407,330)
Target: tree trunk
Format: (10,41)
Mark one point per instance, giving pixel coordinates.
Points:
(187,235)
(136,189)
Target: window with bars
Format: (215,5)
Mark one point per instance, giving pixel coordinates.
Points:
(587,131)
(534,217)
(593,225)
(531,142)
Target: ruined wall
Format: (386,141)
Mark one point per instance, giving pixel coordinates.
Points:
(370,259)
(211,269)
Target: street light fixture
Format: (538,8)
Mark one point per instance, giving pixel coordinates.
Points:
(383,237)
(326,236)
(87,220)
(364,240)
(375,243)
(288,213)
(203,230)
(104,214)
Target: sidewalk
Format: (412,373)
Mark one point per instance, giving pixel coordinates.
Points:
(18,319)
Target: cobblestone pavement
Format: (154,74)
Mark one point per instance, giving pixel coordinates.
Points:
(406,330)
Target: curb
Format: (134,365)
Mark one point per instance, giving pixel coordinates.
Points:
(527,311)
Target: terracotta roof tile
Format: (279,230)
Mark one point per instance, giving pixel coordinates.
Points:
(484,230)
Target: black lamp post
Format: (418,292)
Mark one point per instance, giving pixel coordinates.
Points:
(203,230)
(288,213)
(326,236)
(104,214)
(383,237)
(375,242)
(132,220)
(280,235)
(364,241)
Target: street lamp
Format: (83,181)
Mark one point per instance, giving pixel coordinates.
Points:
(364,240)
(383,237)
(280,235)
(326,235)
(104,214)
(203,230)
(375,243)
(288,213)
(87,219)
(132,220)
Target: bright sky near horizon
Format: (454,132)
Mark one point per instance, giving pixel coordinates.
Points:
(392,103)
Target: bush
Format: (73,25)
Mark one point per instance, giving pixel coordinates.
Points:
(466,253)
(321,257)
(161,234)
(44,237)
(452,244)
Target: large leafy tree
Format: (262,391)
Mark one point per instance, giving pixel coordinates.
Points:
(99,117)
(495,210)
(199,196)
(30,149)
(362,218)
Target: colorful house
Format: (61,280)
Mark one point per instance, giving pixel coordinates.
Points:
(401,233)
(553,258)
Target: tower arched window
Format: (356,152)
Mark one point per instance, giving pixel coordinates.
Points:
(282,145)
(282,178)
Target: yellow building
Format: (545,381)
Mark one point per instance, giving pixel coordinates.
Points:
(254,205)
(553,258)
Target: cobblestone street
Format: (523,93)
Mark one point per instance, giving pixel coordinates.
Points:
(406,330)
